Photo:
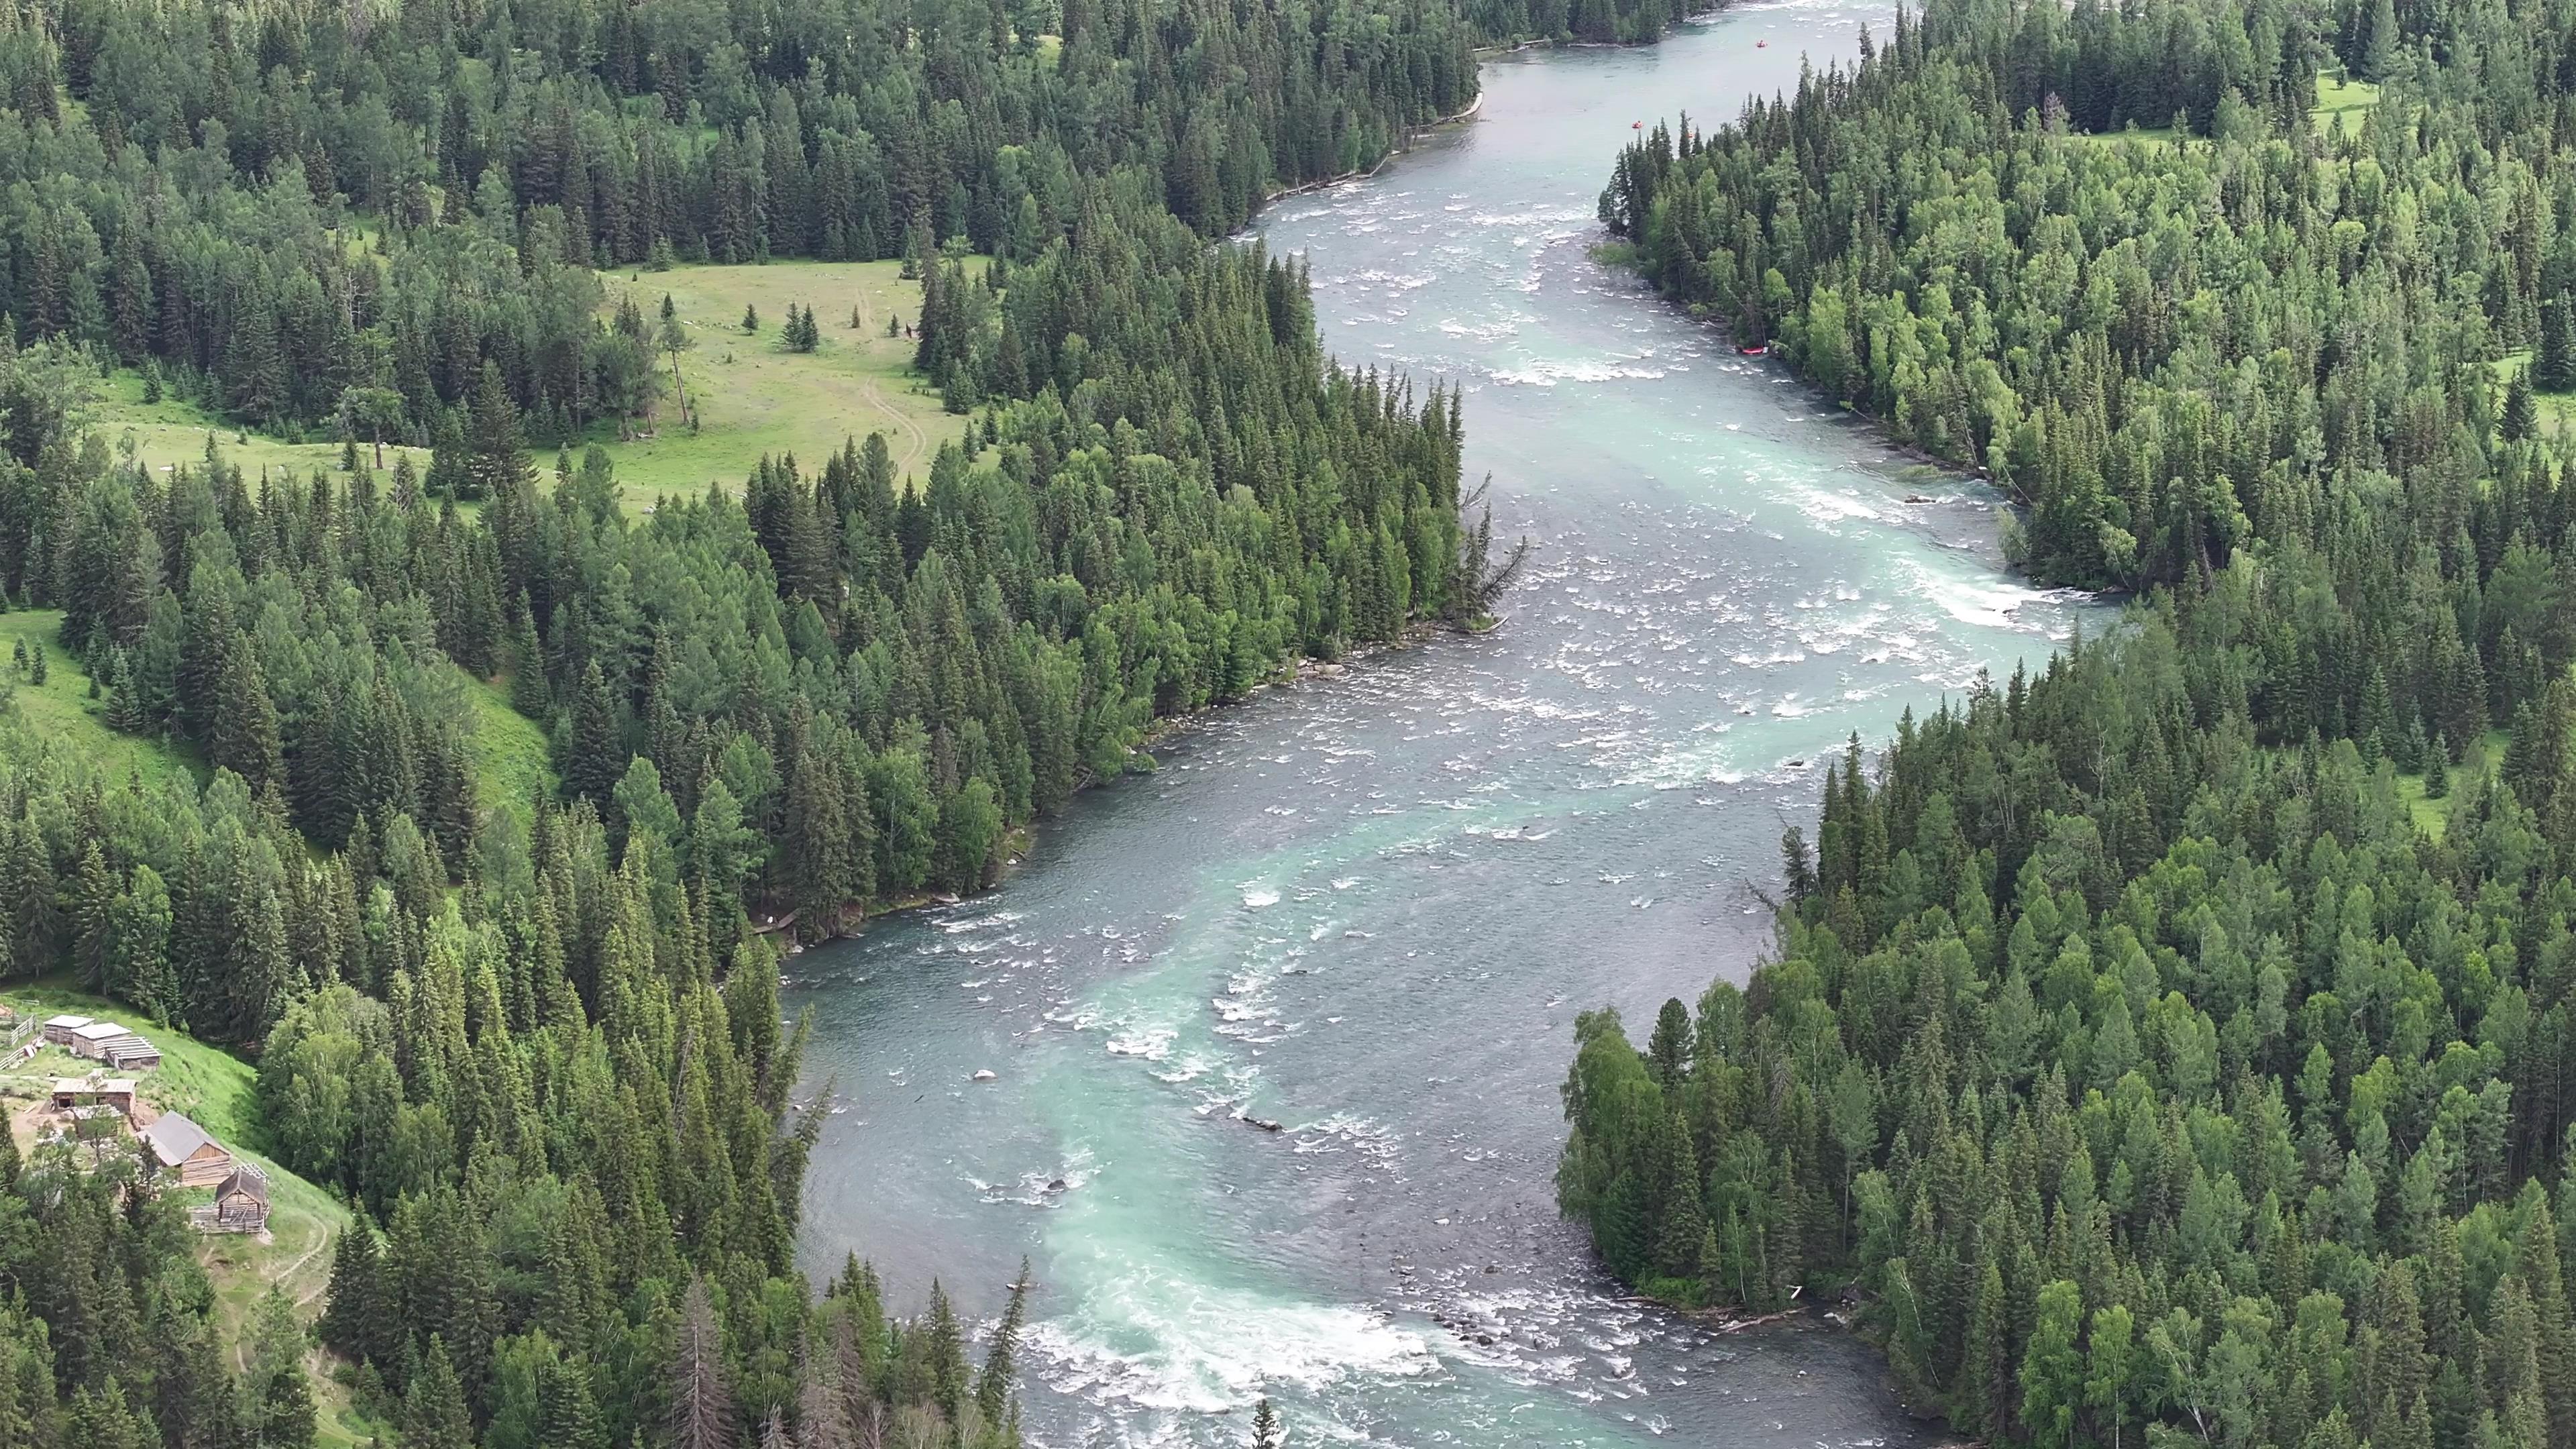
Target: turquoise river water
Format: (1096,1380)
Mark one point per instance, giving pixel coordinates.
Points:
(1368,907)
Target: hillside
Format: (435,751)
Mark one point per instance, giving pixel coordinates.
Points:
(215,1089)
(61,709)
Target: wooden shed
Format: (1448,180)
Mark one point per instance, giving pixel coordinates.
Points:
(134,1054)
(181,1146)
(116,1092)
(96,1039)
(58,1030)
(241,1203)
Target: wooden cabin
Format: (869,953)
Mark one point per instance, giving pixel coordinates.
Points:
(180,1146)
(240,1206)
(116,1092)
(96,1039)
(58,1030)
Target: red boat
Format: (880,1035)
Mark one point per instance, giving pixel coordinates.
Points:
(1756,350)
(1761,45)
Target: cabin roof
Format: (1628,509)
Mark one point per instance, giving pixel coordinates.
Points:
(100,1031)
(174,1139)
(247,1180)
(67,1022)
(108,1085)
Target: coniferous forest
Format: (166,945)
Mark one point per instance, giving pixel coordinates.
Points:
(2154,1064)
(535,1041)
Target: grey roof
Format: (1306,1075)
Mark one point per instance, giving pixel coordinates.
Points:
(174,1139)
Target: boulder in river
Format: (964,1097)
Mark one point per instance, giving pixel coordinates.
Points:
(984,1075)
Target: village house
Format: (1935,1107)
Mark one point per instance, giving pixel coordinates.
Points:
(181,1146)
(58,1030)
(240,1206)
(116,1092)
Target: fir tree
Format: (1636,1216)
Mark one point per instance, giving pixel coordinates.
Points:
(2555,368)
(2521,411)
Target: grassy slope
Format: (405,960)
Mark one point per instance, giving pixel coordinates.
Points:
(510,753)
(511,760)
(754,397)
(214,1088)
(61,710)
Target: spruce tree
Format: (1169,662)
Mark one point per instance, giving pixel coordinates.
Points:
(356,1318)
(2521,411)
(993,1387)
(497,457)
(2556,365)
(434,1413)
(246,731)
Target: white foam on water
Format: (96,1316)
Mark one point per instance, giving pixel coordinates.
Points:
(1259,894)
(1143,1338)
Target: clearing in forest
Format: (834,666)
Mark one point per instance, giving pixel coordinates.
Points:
(754,396)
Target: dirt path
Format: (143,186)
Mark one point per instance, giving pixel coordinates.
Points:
(318,1289)
(914,453)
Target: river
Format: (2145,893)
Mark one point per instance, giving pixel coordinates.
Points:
(1368,907)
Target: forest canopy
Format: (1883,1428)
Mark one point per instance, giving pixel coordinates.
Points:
(2174,1044)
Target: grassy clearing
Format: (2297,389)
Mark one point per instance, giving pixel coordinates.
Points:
(214,1088)
(754,397)
(2348,98)
(2433,817)
(171,432)
(61,710)
(2557,409)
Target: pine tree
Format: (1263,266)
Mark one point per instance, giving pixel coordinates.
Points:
(94,893)
(750,318)
(356,1318)
(1266,1432)
(434,1415)
(497,457)
(281,1396)
(124,708)
(598,758)
(2521,411)
(701,1405)
(245,726)
(530,694)
(993,1388)
(2556,365)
